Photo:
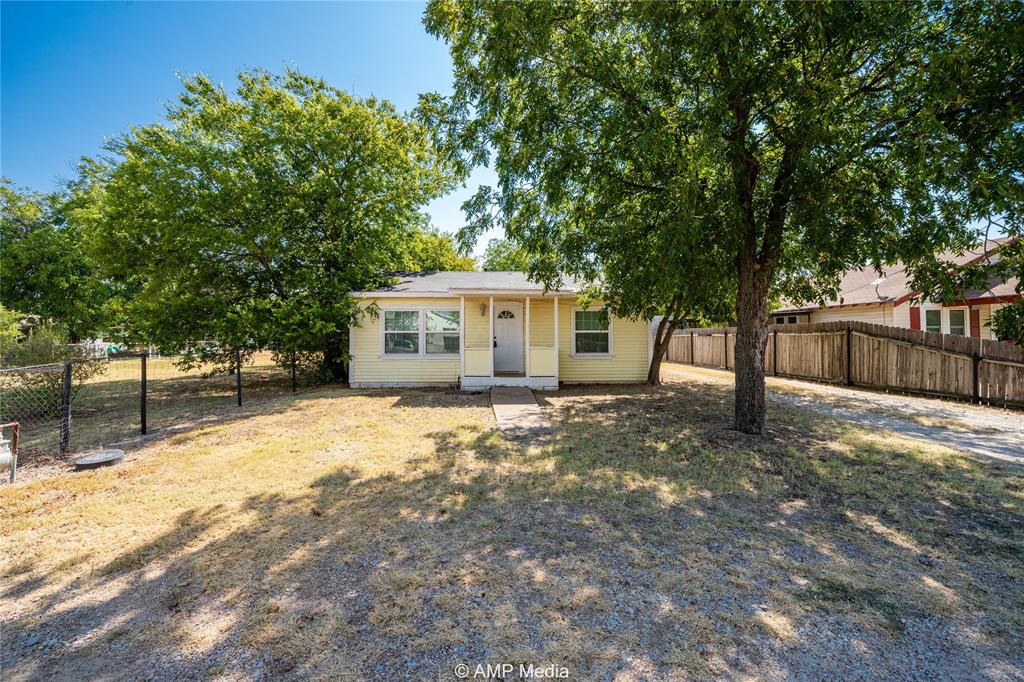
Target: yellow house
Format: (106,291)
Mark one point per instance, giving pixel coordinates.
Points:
(482,329)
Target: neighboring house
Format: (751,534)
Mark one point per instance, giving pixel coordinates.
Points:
(886,298)
(480,329)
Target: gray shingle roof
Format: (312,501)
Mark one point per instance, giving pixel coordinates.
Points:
(435,282)
(858,287)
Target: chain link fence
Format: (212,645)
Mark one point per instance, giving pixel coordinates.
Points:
(34,397)
(89,402)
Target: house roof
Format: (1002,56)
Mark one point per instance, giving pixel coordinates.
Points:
(465,283)
(892,285)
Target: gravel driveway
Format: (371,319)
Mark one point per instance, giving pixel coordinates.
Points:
(988,431)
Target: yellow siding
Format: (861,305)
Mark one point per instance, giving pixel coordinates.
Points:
(629,351)
(371,367)
(542,362)
(985,316)
(478,362)
(628,362)
(901,315)
(477,325)
(542,323)
(875,314)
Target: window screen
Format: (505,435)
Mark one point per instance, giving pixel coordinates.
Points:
(442,333)
(591,332)
(401,332)
(958,322)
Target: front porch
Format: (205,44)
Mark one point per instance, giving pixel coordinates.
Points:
(509,341)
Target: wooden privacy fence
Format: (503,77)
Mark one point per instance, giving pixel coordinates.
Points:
(863,354)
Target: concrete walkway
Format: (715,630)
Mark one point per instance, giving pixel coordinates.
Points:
(988,431)
(518,415)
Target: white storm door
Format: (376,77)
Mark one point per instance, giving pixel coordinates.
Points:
(508,337)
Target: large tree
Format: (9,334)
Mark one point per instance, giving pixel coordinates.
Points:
(432,250)
(246,219)
(503,255)
(774,144)
(44,267)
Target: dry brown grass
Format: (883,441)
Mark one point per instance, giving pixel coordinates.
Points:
(106,409)
(367,534)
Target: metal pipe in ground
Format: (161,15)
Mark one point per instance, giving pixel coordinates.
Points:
(238,375)
(65,409)
(142,396)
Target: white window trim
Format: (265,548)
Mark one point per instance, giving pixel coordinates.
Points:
(948,329)
(944,325)
(572,337)
(943,321)
(422,331)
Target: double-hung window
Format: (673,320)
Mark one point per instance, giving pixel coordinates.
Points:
(442,333)
(933,320)
(421,332)
(591,332)
(401,332)
(958,322)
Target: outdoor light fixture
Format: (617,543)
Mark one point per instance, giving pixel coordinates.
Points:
(483,309)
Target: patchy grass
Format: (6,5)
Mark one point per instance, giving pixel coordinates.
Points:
(106,408)
(367,534)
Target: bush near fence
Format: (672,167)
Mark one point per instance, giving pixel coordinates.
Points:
(872,355)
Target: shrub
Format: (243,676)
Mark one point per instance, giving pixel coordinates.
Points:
(33,381)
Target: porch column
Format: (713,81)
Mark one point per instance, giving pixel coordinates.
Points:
(462,337)
(527,336)
(556,337)
(490,330)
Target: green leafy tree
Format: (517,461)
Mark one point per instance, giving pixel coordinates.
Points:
(775,144)
(246,220)
(435,251)
(44,267)
(503,255)
(10,329)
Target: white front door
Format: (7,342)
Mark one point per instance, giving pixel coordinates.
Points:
(508,337)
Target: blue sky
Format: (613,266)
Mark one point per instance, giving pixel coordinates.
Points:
(74,74)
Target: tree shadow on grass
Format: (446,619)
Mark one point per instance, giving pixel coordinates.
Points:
(124,434)
(645,540)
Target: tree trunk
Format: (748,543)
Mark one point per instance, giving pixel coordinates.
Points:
(662,338)
(336,358)
(751,338)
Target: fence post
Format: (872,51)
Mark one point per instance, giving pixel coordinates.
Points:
(775,352)
(849,355)
(65,409)
(142,404)
(693,358)
(238,375)
(976,389)
(725,348)
(295,386)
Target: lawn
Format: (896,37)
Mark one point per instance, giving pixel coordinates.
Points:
(380,534)
(106,408)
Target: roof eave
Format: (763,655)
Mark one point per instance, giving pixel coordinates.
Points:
(400,294)
(834,305)
(450,293)
(463,291)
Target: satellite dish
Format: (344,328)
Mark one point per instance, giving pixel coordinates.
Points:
(876,282)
